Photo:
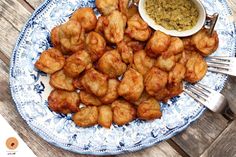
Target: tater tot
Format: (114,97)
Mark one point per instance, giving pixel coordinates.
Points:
(123,112)
(76,63)
(142,62)
(50,61)
(177,74)
(165,63)
(86,116)
(64,102)
(112,93)
(106,6)
(60,80)
(95,44)
(149,109)
(196,68)
(86,17)
(89,99)
(105,116)
(114,27)
(155,80)
(131,86)
(158,44)
(95,82)
(111,64)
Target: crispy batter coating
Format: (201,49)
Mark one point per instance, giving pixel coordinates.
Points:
(60,80)
(86,17)
(162,94)
(76,63)
(86,116)
(55,37)
(155,80)
(128,12)
(131,86)
(100,26)
(137,28)
(185,55)
(112,93)
(176,75)
(89,99)
(144,96)
(136,45)
(188,45)
(142,62)
(205,43)
(176,46)
(77,83)
(123,112)
(111,64)
(126,52)
(165,63)
(106,7)
(71,37)
(174,90)
(50,61)
(105,116)
(62,101)
(149,109)
(114,27)
(95,82)
(96,45)
(158,44)
(196,68)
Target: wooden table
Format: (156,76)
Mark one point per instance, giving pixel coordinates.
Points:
(210,135)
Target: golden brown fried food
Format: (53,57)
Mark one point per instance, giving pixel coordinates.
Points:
(86,116)
(142,62)
(111,64)
(126,52)
(60,80)
(105,116)
(144,96)
(106,7)
(165,63)
(158,44)
(50,61)
(55,37)
(155,80)
(196,68)
(89,99)
(71,37)
(76,63)
(77,83)
(123,112)
(136,45)
(174,90)
(128,12)
(187,41)
(162,94)
(62,101)
(95,82)
(112,93)
(137,28)
(114,27)
(185,55)
(205,43)
(131,86)
(176,75)
(149,109)
(86,17)
(100,26)
(96,45)
(176,46)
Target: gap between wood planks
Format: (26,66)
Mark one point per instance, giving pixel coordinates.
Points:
(27,5)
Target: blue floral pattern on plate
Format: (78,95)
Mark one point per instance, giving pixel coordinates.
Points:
(30,89)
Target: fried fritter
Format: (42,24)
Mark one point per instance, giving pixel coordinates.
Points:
(131,86)
(96,45)
(128,12)
(50,61)
(174,89)
(86,17)
(77,83)
(95,82)
(60,80)
(149,109)
(188,45)
(176,46)
(165,63)
(112,93)
(177,74)
(89,99)
(123,112)
(126,52)
(86,116)
(162,94)
(105,116)
(55,37)
(76,63)
(100,26)
(106,6)
(64,102)
(142,98)
(142,62)
(111,64)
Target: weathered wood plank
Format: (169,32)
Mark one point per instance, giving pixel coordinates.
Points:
(198,137)
(224,145)
(34,3)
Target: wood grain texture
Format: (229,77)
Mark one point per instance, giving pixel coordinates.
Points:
(34,3)
(224,145)
(198,137)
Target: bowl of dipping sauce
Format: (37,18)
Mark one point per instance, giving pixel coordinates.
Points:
(174,17)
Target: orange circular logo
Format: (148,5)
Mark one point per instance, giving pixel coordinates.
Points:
(12,143)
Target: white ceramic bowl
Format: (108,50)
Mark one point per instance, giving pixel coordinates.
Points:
(200,23)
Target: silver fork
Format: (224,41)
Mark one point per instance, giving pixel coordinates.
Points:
(225,65)
(210,98)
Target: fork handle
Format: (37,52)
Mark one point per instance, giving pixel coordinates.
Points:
(229,114)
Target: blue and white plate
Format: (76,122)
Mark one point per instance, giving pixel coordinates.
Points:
(30,89)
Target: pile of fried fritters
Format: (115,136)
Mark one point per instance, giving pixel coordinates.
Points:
(117,66)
